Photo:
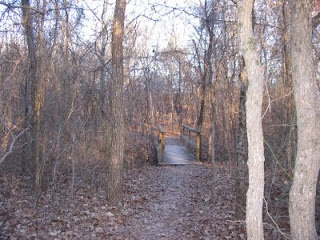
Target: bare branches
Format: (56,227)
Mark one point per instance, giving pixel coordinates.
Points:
(286,236)
(273,100)
(12,6)
(11,146)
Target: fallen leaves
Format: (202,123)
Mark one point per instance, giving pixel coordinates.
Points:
(159,203)
(172,204)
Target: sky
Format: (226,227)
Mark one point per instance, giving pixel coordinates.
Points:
(159,20)
(169,24)
(155,19)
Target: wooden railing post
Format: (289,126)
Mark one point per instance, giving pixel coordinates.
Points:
(161,146)
(189,142)
(198,151)
(160,143)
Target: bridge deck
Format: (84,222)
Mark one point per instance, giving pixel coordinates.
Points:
(177,155)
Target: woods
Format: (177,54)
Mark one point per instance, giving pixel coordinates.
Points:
(84,85)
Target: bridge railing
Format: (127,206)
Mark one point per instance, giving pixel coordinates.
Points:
(160,143)
(186,137)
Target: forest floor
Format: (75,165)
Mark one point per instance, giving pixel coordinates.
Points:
(167,202)
(177,206)
(159,203)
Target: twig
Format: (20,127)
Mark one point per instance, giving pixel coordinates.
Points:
(11,146)
(238,221)
(275,158)
(277,226)
(11,6)
(273,100)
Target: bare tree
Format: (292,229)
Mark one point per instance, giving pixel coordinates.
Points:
(206,72)
(117,123)
(103,47)
(307,98)
(34,92)
(248,47)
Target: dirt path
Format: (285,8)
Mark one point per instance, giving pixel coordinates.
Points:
(173,203)
(164,215)
(167,202)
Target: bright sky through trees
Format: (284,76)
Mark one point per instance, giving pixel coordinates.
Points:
(160,21)
(156,22)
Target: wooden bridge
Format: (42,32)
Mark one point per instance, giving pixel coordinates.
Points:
(177,154)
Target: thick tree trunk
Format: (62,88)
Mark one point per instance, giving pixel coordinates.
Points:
(35,162)
(287,82)
(114,186)
(306,94)
(248,47)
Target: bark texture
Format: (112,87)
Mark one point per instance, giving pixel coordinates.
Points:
(115,190)
(248,47)
(35,162)
(306,94)
(287,81)
(241,149)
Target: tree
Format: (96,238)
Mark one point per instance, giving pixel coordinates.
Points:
(307,98)
(248,47)
(34,93)
(287,81)
(241,149)
(206,72)
(114,186)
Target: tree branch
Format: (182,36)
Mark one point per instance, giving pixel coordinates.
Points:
(11,146)
(11,6)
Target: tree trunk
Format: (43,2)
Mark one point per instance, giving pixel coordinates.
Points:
(213,191)
(207,69)
(114,186)
(150,119)
(248,47)
(241,149)
(287,82)
(35,162)
(179,108)
(306,94)
(103,51)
